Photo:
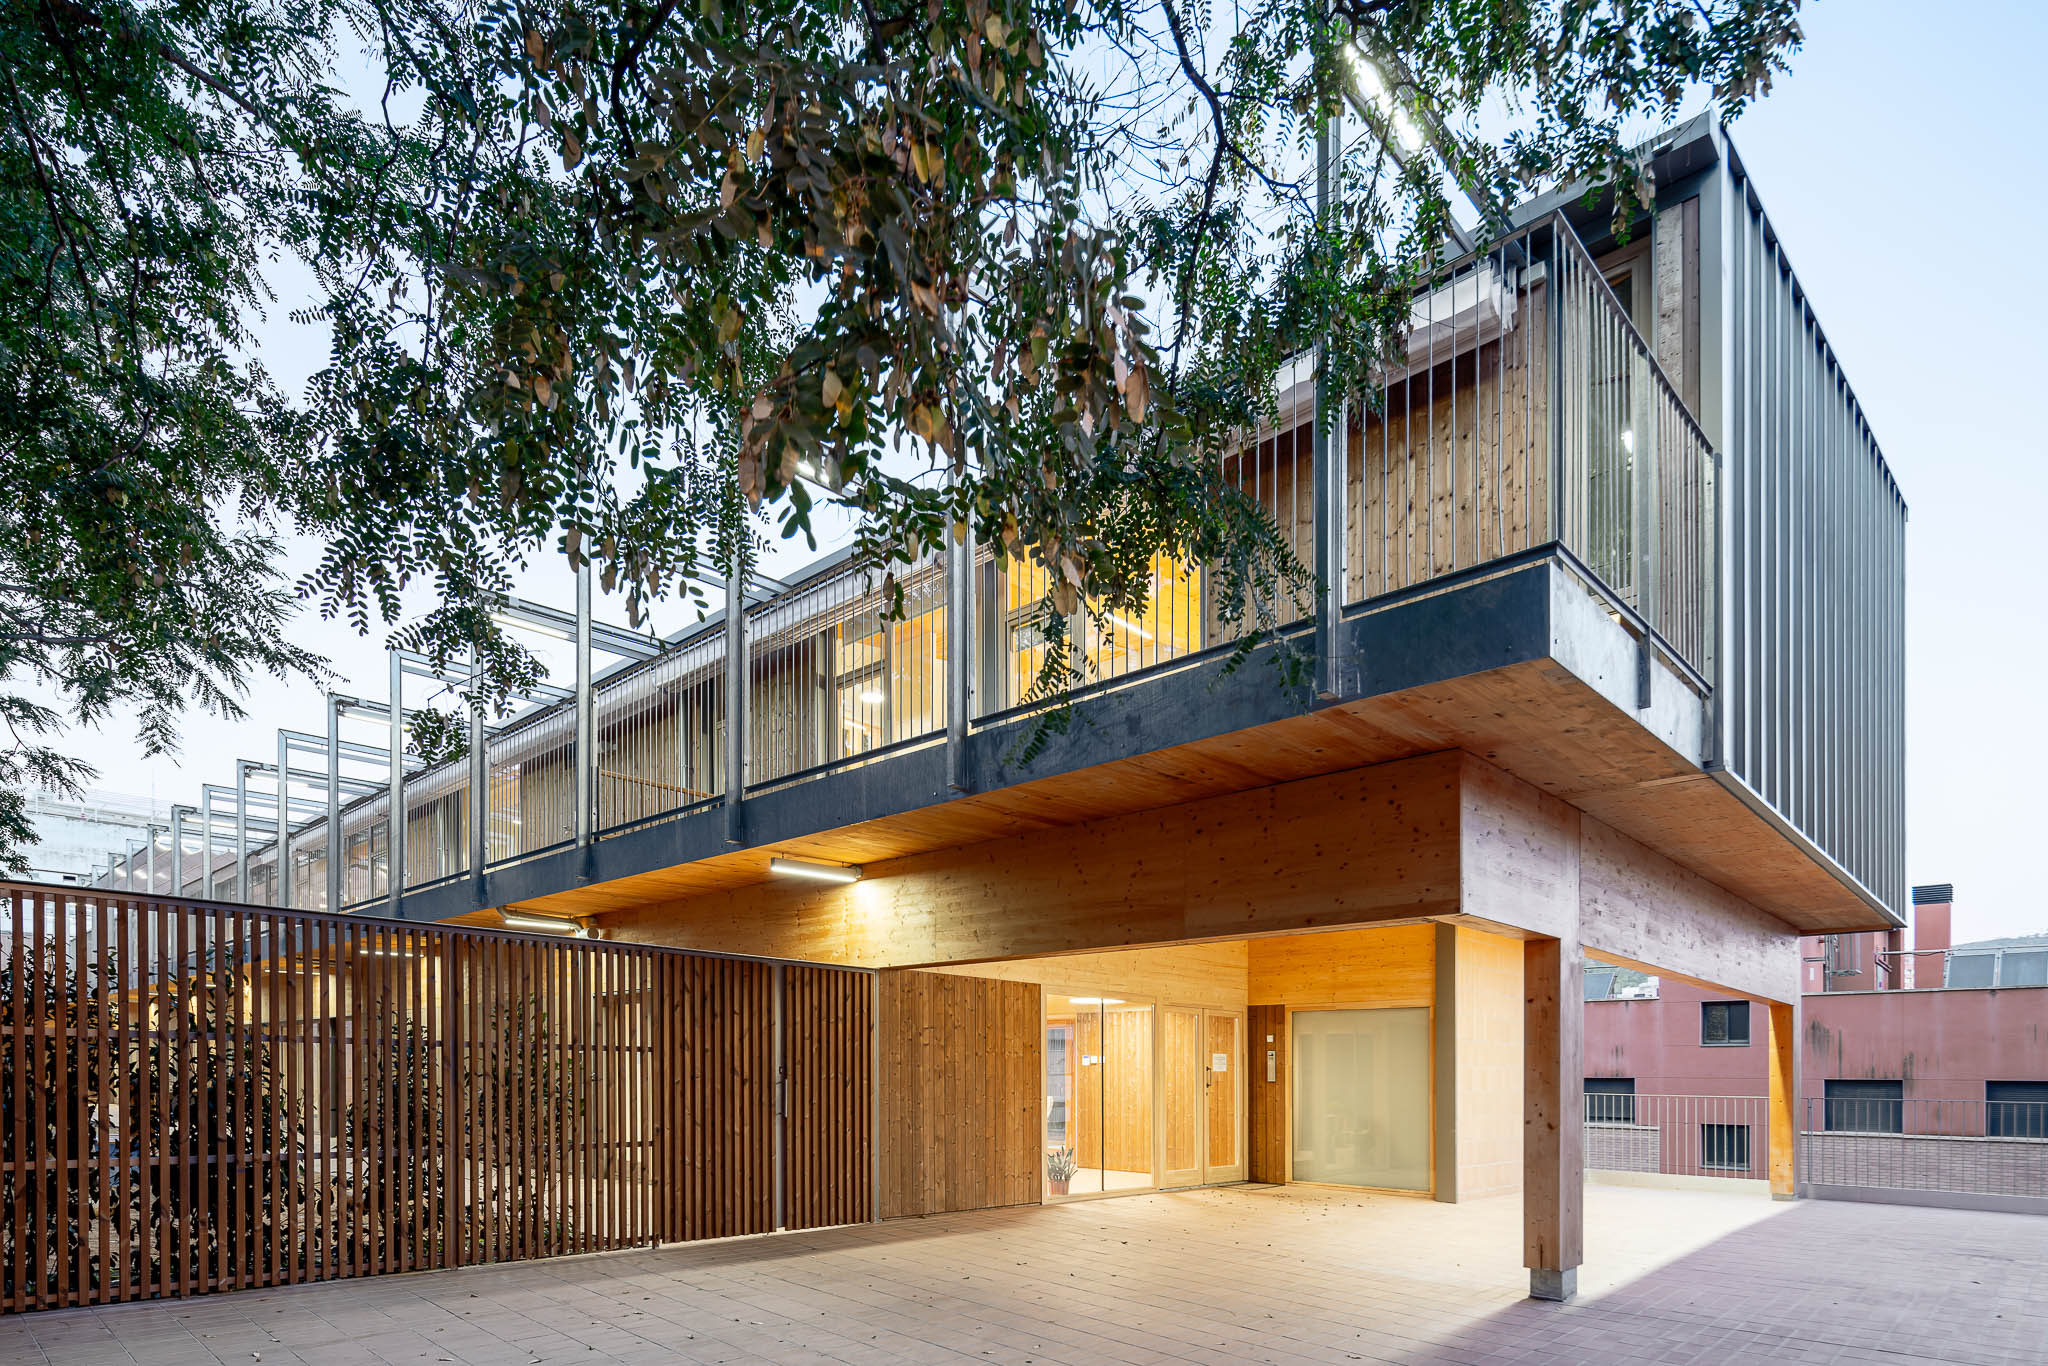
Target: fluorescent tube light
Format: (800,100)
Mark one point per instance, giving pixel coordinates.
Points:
(546,924)
(817,872)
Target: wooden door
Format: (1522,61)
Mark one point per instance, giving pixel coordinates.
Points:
(1183,1106)
(1223,1126)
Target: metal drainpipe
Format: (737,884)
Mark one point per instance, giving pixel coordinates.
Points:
(206,839)
(177,851)
(334,854)
(394,822)
(959,656)
(479,778)
(242,831)
(284,822)
(586,715)
(1328,460)
(735,698)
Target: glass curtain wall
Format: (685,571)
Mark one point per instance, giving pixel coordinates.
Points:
(1361,1098)
(1098,1095)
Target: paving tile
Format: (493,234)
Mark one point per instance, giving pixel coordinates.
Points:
(1269,1276)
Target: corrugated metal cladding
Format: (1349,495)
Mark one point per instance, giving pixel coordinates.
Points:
(1814,626)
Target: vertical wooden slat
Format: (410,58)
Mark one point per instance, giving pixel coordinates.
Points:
(103,1062)
(129,981)
(78,1181)
(361,1206)
(34,1153)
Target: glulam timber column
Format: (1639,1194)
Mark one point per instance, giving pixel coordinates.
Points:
(1553,1134)
(1782,1060)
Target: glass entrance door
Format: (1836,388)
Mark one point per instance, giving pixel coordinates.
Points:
(1201,1096)
(1182,1084)
(1223,1142)
(1098,1095)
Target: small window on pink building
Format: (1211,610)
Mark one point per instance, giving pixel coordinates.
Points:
(1724,1024)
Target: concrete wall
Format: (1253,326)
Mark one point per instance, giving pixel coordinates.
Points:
(1658,1043)
(1942,1044)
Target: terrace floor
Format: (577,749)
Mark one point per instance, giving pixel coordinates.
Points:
(1251,1275)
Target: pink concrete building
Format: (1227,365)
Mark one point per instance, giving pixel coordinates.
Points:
(1902,1033)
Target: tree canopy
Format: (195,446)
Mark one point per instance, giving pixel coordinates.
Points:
(631,280)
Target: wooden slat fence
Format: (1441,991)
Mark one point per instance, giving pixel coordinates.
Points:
(197,1096)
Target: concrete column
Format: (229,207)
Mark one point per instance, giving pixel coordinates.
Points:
(1782,1057)
(1553,1119)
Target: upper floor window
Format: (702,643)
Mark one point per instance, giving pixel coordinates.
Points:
(1724,1024)
(1871,1107)
(2016,1109)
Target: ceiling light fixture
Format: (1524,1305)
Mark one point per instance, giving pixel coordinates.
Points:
(817,872)
(549,924)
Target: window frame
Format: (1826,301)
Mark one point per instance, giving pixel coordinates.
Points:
(1706,1007)
(2031,1111)
(1863,1106)
(1740,1133)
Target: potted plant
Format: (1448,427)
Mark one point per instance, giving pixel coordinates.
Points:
(1059,1169)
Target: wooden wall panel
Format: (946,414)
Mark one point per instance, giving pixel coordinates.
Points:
(1488,1028)
(200,1096)
(960,1088)
(1186,974)
(827,1022)
(1266,1030)
(1394,966)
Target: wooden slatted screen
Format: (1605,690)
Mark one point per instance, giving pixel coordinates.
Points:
(197,1096)
(828,1165)
(959,1091)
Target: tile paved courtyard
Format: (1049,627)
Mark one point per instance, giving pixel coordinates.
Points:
(1244,1275)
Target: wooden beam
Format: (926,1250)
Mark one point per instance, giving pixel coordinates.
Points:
(1364,847)
(1782,1058)
(1553,1130)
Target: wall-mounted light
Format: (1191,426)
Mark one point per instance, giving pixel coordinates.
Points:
(817,872)
(550,924)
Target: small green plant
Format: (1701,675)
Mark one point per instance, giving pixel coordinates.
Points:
(1060,1164)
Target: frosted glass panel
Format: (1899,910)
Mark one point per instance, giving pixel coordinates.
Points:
(1361,1098)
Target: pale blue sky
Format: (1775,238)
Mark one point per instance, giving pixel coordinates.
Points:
(1900,162)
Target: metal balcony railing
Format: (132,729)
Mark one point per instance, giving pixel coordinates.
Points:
(1525,411)
(1721,1136)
